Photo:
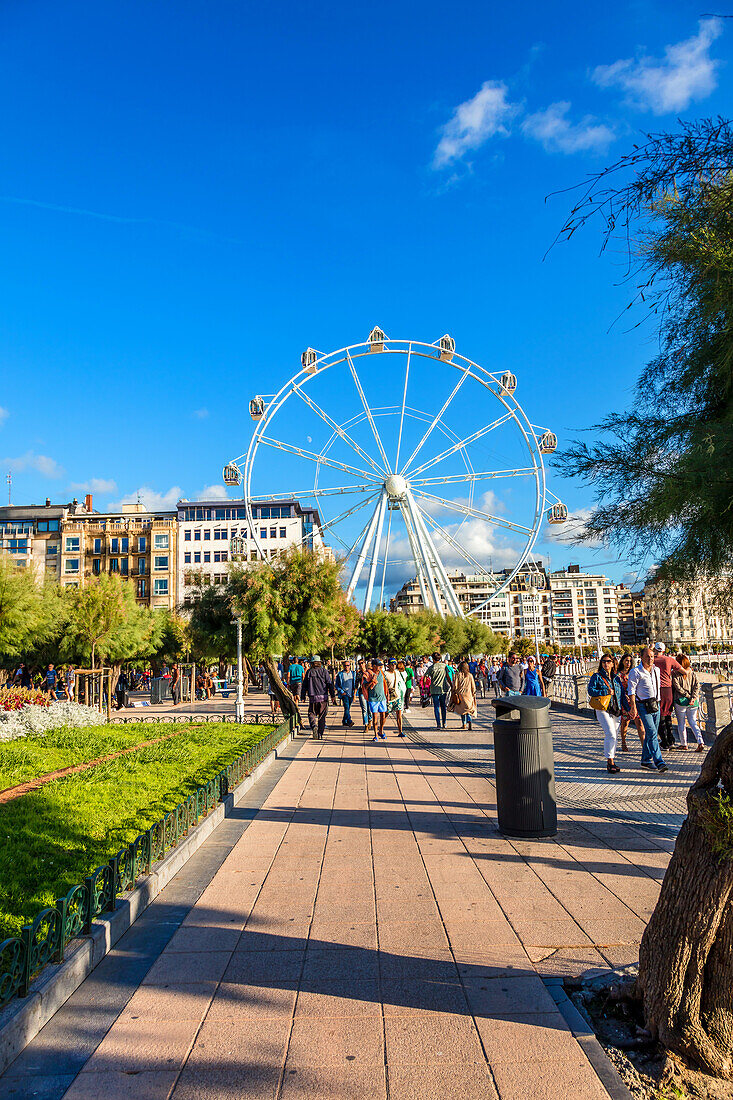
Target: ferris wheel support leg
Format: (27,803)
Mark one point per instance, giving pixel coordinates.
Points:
(419,566)
(452,601)
(364,547)
(424,552)
(375,553)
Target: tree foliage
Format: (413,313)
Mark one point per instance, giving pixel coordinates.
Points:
(31,615)
(383,632)
(106,623)
(663,467)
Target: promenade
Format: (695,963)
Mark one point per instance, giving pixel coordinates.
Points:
(359,928)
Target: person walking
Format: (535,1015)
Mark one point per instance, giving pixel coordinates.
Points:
(686,697)
(643,690)
(482,678)
(409,681)
(396,702)
(345,681)
(511,676)
(666,666)
(439,686)
(376,696)
(175,685)
(494,677)
(463,695)
(296,673)
(361,691)
(604,695)
(69,682)
(534,683)
(622,672)
(50,677)
(318,687)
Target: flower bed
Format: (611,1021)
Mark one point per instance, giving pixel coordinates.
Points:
(15,698)
(48,715)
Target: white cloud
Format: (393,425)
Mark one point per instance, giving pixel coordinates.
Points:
(557,134)
(101,485)
(213,492)
(660,85)
(42,464)
(474,122)
(4,414)
(201,414)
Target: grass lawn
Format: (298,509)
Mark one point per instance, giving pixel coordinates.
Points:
(40,753)
(51,838)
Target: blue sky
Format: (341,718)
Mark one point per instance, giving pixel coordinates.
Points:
(194,192)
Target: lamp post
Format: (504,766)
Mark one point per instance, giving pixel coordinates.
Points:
(239,705)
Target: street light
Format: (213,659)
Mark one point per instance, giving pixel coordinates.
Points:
(239,705)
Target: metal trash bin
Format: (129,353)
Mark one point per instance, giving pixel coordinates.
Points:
(525,766)
(160,689)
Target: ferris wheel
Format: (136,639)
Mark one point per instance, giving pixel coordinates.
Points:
(425,443)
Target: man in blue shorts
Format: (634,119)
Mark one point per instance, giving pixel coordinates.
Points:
(376,688)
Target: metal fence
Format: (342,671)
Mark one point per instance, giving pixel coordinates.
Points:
(257,717)
(44,940)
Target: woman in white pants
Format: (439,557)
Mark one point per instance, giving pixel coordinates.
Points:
(686,697)
(604,685)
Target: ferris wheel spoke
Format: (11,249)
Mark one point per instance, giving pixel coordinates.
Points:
(331,523)
(475,513)
(454,542)
(337,428)
(368,411)
(402,414)
(462,443)
(437,576)
(319,459)
(339,490)
(427,434)
(484,475)
(368,539)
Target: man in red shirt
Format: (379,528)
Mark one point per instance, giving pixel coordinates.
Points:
(666,665)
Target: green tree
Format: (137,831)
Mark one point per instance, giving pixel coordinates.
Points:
(106,622)
(663,472)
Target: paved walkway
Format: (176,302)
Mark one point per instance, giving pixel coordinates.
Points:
(367,933)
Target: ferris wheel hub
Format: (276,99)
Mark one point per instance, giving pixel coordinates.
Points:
(396,486)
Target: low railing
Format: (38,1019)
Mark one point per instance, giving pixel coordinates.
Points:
(44,941)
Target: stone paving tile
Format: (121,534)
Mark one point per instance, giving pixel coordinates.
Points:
(155,1085)
(507,996)
(132,1046)
(554,1080)
(195,966)
(526,1038)
(442,1082)
(46,1087)
(336,1041)
(352,1081)
(342,996)
(243,1001)
(432,1037)
(229,1080)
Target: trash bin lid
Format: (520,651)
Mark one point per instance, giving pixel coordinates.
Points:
(525,703)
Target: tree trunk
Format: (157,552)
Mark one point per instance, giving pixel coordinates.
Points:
(283,694)
(686,955)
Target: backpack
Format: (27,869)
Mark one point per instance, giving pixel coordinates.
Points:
(549,668)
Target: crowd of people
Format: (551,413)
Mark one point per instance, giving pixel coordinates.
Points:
(624,691)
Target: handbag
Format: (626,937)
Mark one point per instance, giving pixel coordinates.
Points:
(600,702)
(651,706)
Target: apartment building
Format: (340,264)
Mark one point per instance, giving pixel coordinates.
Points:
(31,536)
(584,609)
(134,544)
(685,616)
(206,529)
(632,629)
(523,609)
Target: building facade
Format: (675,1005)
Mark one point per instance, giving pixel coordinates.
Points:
(31,536)
(584,609)
(136,545)
(685,616)
(206,529)
(632,628)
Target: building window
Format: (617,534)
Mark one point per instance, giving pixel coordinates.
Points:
(197,536)
(217,556)
(217,535)
(207,535)
(72,544)
(141,566)
(263,532)
(160,586)
(115,546)
(124,545)
(161,561)
(97,546)
(142,590)
(96,566)
(197,558)
(160,542)
(72,565)
(187,559)
(47,525)
(123,565)
(187,536)
(114,565)
(52,548)
(283,533)
(224,555)
(207,557)
(273,532)
(142,544)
